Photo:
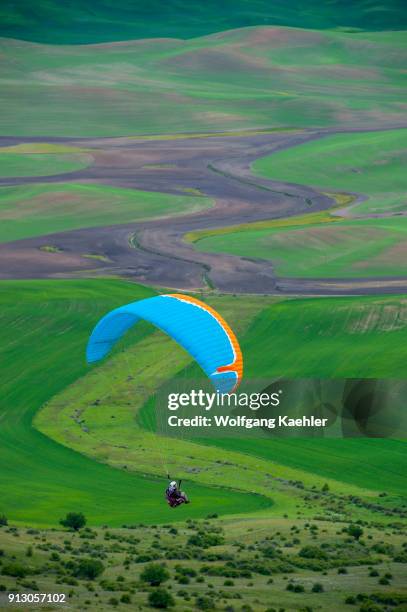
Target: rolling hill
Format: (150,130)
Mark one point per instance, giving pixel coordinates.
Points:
(72,22)
(263,77)
(41,480)
(368,239)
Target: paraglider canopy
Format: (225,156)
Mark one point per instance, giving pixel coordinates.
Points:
(194,325)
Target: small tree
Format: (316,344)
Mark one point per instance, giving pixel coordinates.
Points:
(3,520)
(325,488)
(355,531)
(160,598)
(74,520)
(154,574)
(89,569)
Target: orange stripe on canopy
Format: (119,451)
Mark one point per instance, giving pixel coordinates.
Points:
(237,364)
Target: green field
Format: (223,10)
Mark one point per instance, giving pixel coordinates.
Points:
(379,465)
(12,164)
(330,337)
(333,337)
(260,77)
(44,329)
(52,373)
(37,210)
(278,522)
(346,249)
(372,164)
(75,22)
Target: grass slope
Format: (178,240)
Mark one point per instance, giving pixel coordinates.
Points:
(241,79)
(371,163)
(330,337)
(345,249)
(44,328)
(333,337)
(41,164)
(76,22)
(37,210)
(379,465)
(309,246)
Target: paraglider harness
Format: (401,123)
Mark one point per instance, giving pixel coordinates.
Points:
(175,497)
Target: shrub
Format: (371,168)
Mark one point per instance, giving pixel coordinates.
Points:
(125,598)
(317,588)
(270,552)
(205,540)
(74,520)
(30,584)
(350,600)
(89,569)
(154,574)
(355,531)
(143,558)
(383,549)
(185,571)
(368,606)
(204,603)
(312,552)
(160,598)
(15,569)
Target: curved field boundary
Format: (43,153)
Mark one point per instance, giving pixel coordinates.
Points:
(44,329)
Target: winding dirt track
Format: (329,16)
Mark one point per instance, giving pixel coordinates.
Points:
(154,252)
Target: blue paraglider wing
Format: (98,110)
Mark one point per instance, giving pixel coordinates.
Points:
(194,325)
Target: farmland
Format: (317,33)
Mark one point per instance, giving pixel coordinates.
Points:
(351,248)
(371,164)
(368,238)
(40,164)
(278,484)
(40,209)
(261,77)
(38,488)
(252,155)
(273,346)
